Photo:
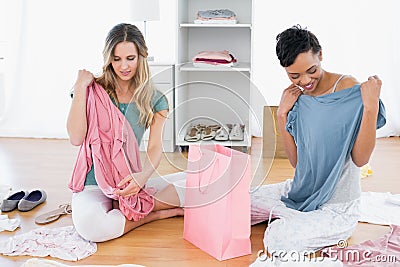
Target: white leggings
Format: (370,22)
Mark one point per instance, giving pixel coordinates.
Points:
(301,231)
(95,219)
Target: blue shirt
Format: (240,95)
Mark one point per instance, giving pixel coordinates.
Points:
(324,129)
(159,102)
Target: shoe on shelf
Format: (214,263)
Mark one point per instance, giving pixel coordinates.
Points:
(201,126)
(237,132)
(33,199)
(223,133)
(208,133)
(193,134)
(214,126)
(12,201)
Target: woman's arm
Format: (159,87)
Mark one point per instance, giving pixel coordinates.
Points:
(152,160)
(365,142)
(76,123)
(289,98)
(154,146)
(288,141)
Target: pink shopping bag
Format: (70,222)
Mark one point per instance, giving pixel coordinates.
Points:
(217,202)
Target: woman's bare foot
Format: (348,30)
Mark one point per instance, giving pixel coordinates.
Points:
(180,212)
(168,213)
(153,216)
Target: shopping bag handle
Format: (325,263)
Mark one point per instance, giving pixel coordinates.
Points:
(209,181)
(274,122)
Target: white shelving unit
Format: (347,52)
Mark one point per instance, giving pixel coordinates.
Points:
(162,77)
(241,66)
(211,95)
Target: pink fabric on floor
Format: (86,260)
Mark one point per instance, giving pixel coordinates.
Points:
(384,251)
(111,143)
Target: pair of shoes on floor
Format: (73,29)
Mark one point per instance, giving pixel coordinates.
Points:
(201,132)
(54,215)
(23,200)
(232,132)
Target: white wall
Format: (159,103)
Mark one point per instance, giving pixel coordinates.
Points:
(161,34)
(358,37)
(47,42)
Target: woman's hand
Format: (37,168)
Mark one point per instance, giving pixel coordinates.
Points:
(84,79)
(134,185)
(77,123)
(288,99)
(370,92)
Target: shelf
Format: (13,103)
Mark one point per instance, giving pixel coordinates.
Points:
(195,25)
(242,66)
(243,143)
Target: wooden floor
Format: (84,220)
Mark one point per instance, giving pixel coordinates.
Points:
(47,163)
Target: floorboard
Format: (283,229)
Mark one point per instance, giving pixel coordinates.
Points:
(47,164)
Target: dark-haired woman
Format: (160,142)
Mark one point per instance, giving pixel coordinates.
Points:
(328,124)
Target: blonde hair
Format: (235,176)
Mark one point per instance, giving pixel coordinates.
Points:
(143,90)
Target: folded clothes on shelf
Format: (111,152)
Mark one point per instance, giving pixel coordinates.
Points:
(216,13)
(216,16)
(214,58)
(215,21)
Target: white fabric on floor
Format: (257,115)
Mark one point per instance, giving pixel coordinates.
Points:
(295,230)
(5,191)
(51,263)
(62,242)
(378,208)
(8,224)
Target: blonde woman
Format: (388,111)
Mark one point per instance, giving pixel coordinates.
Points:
(125,78)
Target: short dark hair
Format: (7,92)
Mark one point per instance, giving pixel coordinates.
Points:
(292,42)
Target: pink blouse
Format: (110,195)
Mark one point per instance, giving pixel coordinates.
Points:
(111,146)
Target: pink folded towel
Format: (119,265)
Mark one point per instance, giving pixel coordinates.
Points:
(221,55)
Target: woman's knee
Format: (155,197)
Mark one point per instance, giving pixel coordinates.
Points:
(97,227)
(281,237)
